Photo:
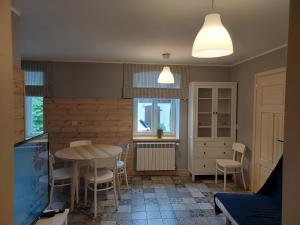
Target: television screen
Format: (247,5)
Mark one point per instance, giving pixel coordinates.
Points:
(31,186)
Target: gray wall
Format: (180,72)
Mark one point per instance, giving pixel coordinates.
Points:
(102,80)
(106,81)
(244,74)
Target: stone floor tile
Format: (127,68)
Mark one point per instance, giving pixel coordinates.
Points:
(139,222)
(108,223)
(152,207)
(167,214)
(124,222)
(205,206)
(155,222)
(178,206)
(153,215)
(170,222)
(139,215)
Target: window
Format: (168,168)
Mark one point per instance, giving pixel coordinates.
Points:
(151,114)
(35,85)
(34,116)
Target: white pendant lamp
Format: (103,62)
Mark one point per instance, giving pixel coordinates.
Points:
(213,40)
(166,76)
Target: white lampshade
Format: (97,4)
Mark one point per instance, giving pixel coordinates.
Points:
(166,77)
(213,40)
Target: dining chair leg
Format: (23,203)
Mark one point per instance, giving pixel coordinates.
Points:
(216,175)
(115,196)
(51,192)
(74,183)
(225,178)
(126,179)
(95,200)
(243,178)
(85,191)
(118,186)
(77,190)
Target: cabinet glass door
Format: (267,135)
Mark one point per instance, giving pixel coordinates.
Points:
(224,100)
(205,104)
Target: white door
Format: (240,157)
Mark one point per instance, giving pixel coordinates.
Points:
(268,123)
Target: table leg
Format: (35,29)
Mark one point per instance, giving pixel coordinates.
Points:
(118,186)
(74,183)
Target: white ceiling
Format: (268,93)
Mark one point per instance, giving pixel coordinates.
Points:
(141,30)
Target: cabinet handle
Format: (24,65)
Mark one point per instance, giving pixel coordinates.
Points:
(224,153)
(204,153)
(224,143)
(280,141)
(205,144)
(204,166)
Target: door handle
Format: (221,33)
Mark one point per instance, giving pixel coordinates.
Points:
(280,140)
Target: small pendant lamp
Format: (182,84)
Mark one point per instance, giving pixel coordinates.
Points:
(166,76)
(213,39)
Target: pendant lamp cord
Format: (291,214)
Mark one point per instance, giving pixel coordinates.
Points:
(212,5)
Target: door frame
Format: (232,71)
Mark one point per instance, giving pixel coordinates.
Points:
(254,150)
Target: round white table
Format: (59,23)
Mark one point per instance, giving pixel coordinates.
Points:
(84,153)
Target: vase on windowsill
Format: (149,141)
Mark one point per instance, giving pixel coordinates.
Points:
(159,133)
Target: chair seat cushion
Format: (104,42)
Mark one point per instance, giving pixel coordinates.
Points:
(249,209)
(228,163)
(62,173)
(120,164)
(103,176)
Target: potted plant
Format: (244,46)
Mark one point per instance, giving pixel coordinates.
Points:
(160,130)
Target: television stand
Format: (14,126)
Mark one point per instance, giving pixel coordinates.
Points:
(58,219)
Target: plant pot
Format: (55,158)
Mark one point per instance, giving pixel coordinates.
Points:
(159,133)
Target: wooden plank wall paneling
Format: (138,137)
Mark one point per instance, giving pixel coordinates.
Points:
(19,105)
(106,121)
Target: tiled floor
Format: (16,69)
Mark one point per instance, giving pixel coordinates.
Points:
(156,200)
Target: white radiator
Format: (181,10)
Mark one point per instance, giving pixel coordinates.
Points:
(155,156)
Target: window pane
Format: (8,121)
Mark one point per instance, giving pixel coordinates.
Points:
(37,114)
(35,78)
(164,108)
(34,116)
(144,115)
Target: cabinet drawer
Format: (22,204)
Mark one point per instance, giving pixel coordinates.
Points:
(204,165)
(217,153)
(213,144)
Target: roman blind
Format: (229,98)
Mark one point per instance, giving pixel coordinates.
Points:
(140,81)
(36,77)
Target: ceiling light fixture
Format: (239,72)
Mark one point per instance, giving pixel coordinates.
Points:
(166,76)
(213,39)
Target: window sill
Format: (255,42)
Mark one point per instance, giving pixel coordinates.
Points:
(155,139)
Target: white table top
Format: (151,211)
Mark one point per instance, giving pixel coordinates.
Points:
(89,152)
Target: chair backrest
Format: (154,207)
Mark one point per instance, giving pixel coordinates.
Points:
(102,163)
(125,148)
(238,148)
(80,143)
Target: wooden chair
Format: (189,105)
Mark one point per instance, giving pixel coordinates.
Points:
(101,178)
(121,164)
(58,178)
(230,166)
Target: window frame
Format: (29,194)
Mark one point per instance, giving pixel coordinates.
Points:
(175,106)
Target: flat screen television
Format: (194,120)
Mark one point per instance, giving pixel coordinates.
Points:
(31,176)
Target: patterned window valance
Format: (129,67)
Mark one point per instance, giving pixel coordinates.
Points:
(140,81)
(36,77)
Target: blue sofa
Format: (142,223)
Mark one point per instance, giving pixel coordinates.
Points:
(262,208)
